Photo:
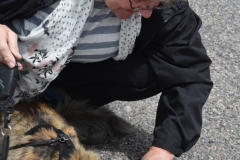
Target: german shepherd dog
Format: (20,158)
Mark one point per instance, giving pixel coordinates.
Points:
(44,132)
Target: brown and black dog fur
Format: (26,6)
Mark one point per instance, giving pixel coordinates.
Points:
(82,124)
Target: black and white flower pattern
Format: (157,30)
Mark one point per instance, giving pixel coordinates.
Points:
(39,55)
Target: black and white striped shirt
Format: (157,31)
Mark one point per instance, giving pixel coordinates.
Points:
(99,39)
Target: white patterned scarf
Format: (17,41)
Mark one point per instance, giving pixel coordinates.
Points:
(50,46)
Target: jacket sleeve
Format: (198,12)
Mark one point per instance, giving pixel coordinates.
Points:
(181,65)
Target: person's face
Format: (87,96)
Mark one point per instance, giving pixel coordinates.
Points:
(122,9)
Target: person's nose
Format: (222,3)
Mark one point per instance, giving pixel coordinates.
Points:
(146,13)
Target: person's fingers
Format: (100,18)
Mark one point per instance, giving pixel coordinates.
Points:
(8,47)
(6,55)
(20,67)
(12,44)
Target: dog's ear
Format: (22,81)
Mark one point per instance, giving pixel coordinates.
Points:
(79,152)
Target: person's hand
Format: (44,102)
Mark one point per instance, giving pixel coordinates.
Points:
(156,153)
(9,47)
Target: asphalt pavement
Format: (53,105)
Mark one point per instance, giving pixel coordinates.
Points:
(220,138)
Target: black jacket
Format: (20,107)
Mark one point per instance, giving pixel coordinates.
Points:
(171,43)
(14,9)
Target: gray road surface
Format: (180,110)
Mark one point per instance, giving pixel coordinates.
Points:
(220,139)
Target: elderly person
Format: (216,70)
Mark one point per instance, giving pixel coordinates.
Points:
(107,50)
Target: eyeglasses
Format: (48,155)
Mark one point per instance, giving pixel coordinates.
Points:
(147,8)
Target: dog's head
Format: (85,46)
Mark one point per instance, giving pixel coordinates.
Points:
(38,132)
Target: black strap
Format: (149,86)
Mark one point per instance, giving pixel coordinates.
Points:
(8,83)
(7,116)
(37,128)
(5,146)
(5,143)
(35,144)
(6,109)
(66,145)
